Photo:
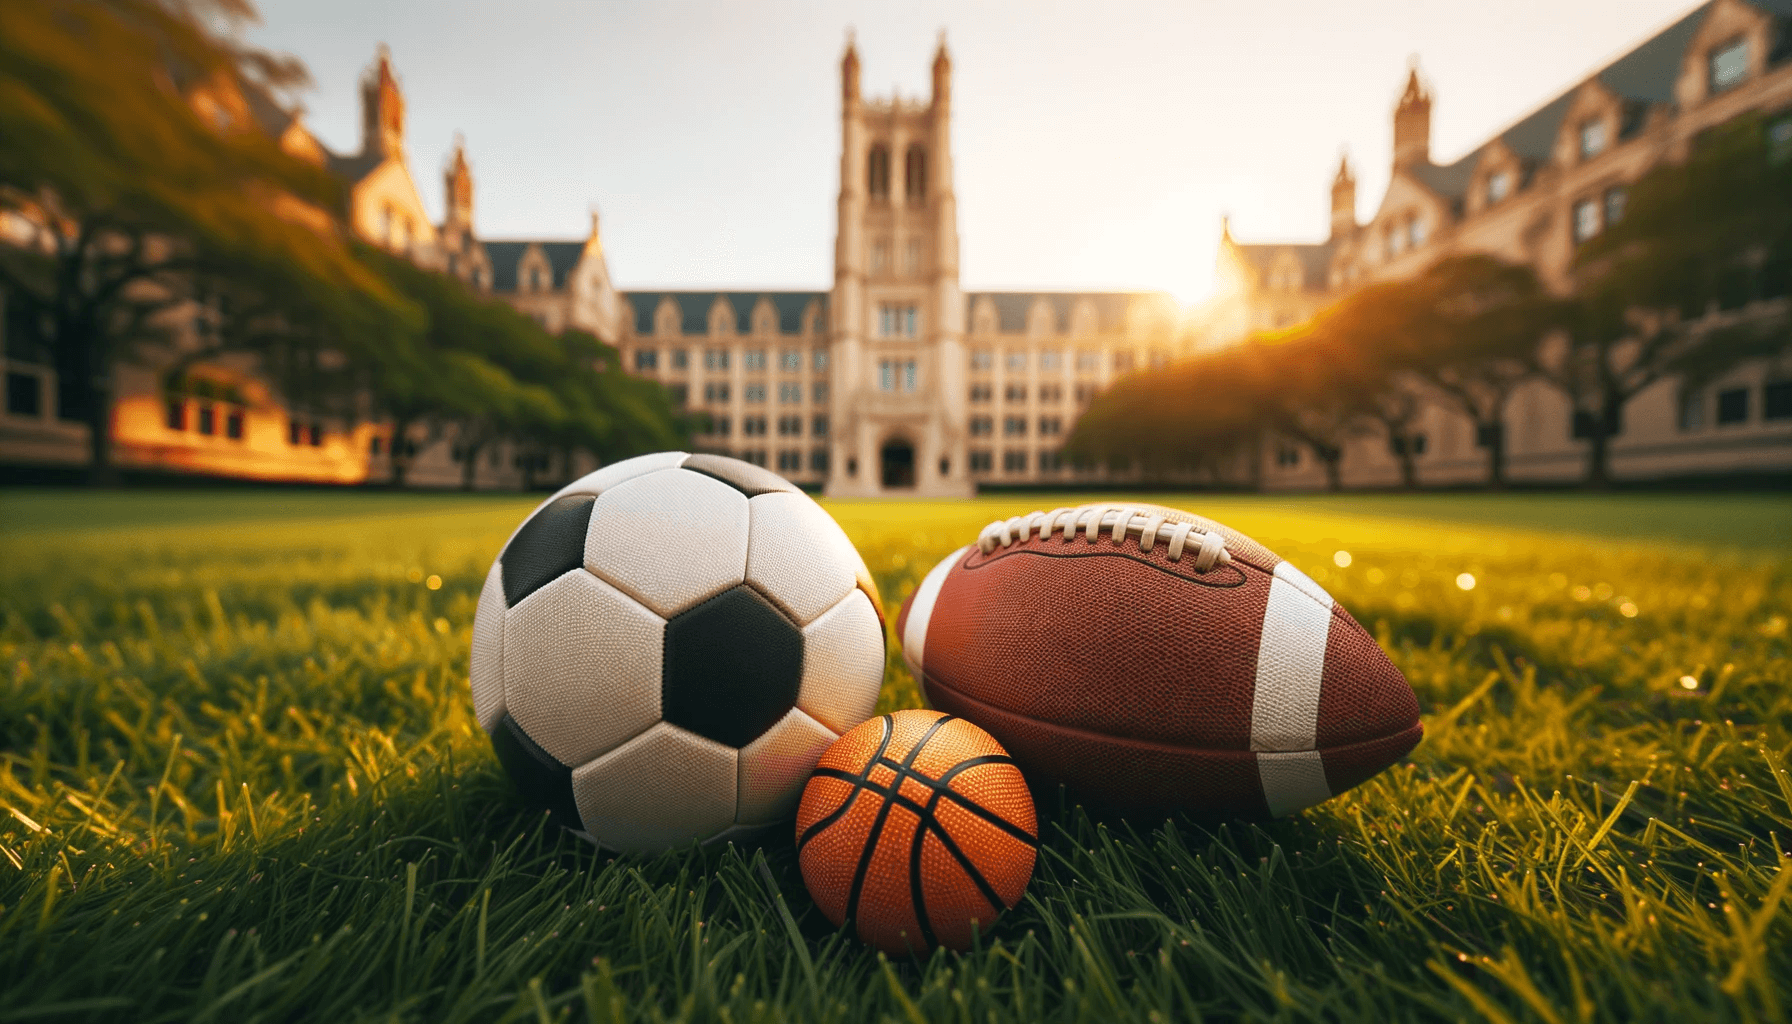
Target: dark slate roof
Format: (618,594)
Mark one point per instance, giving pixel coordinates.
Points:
(1011,308)
(352,168)
(267,111)
(694,307)
(506,256)
(1643,77)
(1315,260)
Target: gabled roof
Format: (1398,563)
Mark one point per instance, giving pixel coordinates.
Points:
(507,256)
(352,168)
(1315,259)
(1012,307)
(694,307)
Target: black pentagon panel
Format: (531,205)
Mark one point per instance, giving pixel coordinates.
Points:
(732,667)
(744,477)
(543,781)
(552,542)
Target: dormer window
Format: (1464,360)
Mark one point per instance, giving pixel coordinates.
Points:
(1499,186)
(1593,138)
(1729,65)
(1415,232)
(1393,240)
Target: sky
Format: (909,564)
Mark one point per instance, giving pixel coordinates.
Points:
(1096,146)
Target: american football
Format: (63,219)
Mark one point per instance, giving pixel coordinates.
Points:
(665,647)
(1149,658)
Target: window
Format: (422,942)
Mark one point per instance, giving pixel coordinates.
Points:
(1050,426)
(1732,406)
(1415,232)
(208,420)
(1586,220)
(1592,138)
(880,257)
(914,173)
(790,392)
(790,360)
(790,462)
(316,437)
(1087,360)
(1051,360)
(681,359)
(790,426)
(1692,411)
(1014,462)
(1499,186)
(1615,198)
(23,395)
(818,426)
(894,373)
(375,443)
(715,359)
(898,321)
(980,392)
(1051,462)
(1084,392)
(754,359)
(1729,65)
(714,393)
(982,359)
(818,461)
(233,424)
(818,393)
(754,392)
(1015,393)
(981,461)
(1287,456)
(1393,240)
(982,426)
(752,426)
(754,455)
(177,415)
(1123,362)
(818,360)
(646,359)
(1776,400)
(877,172)
(1016,362)
(720,426)
(1014,426)
(681,394)
(911,257)
(1051,392)
(1399,445)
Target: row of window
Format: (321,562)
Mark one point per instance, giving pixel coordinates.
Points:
(755,426)
(790,460)
(1051,360)
(1048,393)
(897,375)
(789,393)
(790,360)
(983,461)
(1593,215)
(207,419)
(898,321)
(1016,426)
(914,172)
(1732,406)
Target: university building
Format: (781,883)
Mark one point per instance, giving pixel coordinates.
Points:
(894,381)
(1531,194)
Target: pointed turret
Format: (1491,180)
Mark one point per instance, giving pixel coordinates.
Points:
(849,72)
(382,108)
(1343,199)
(1412,122)
(457,185)
(942,74)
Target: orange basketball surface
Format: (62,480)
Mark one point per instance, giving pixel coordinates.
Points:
(918,828)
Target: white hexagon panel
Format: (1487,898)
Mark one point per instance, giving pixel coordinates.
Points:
(798,556)
(660,790)
(774,767)
(486,665)
(582,667)
(843,664)
(669,539)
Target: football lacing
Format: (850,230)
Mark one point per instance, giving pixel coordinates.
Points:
(1118,522)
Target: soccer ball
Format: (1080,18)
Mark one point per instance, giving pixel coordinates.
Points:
(665,647)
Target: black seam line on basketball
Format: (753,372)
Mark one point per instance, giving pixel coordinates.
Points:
(931,822)
(1204,581)
(940,786)
(915,893)
(858,781)
(883,814)
(925,812)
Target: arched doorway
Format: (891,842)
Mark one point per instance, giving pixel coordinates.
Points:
(898,458)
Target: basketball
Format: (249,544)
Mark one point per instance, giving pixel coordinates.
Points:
(918,829)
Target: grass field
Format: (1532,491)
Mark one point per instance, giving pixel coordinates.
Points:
(242,781)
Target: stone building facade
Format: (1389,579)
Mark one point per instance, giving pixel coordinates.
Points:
(1531,195)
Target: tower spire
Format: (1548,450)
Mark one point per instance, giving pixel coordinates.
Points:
(1412,120)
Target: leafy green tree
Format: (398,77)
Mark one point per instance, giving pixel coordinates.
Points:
(135,180)
(1692,281)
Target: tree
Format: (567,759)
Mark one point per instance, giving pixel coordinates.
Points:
(1693,280)
(130,152)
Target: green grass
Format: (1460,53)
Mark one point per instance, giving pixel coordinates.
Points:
(242,781)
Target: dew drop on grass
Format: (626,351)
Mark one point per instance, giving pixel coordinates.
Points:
(1465,581)
(1341,559)
(1689,683)
(434,582)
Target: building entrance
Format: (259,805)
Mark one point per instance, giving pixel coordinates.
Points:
(899,464)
